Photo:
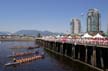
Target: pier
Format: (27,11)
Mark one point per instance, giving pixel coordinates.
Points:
(90,52)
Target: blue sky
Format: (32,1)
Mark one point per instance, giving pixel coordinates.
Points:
(52,15)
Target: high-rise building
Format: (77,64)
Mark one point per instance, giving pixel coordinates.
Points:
(107,28)
(75,26)
(93,21)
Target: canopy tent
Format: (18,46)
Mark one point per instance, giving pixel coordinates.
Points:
(86,35)
(98,36)
(62,36)
(58,36)
(69,37)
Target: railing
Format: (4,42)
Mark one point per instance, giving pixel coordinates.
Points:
(84,41)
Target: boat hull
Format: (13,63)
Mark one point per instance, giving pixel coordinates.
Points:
(11,63)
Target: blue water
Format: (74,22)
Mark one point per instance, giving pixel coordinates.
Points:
(51,62)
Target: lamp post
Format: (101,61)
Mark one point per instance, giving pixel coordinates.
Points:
(107,29)
(82,14)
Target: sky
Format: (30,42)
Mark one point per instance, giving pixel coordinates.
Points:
(51,15)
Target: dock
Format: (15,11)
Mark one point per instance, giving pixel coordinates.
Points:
(92,54)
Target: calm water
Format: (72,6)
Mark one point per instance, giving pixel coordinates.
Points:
(51,62)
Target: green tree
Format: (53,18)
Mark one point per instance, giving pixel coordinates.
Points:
(39,35)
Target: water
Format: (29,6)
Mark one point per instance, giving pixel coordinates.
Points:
(51,62)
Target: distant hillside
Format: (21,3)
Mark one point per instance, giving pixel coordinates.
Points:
(4,33)
(35,32)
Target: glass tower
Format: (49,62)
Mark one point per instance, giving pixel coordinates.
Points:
(93,20)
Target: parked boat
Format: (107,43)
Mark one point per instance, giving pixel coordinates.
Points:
(37,46)
(30,47)
(21,54)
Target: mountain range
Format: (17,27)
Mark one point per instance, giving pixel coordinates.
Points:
(32,33)
(4,33)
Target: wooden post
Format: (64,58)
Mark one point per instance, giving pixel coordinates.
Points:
(64,49)
(82,53)
(89,54)
(73,51)
(105,58)
(61,48)
(76,51)
(98,57)
(94,56)
(58,46)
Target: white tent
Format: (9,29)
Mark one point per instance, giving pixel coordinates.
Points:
(86,35)
(61,36)
(98,36)
(69,37)
(58,36)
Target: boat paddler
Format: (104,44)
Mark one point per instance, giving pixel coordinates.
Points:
(14,59)
(37,52)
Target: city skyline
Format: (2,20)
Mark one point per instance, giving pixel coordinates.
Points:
(51,15)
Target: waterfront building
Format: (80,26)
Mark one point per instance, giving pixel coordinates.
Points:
(75,26)
(93,21)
